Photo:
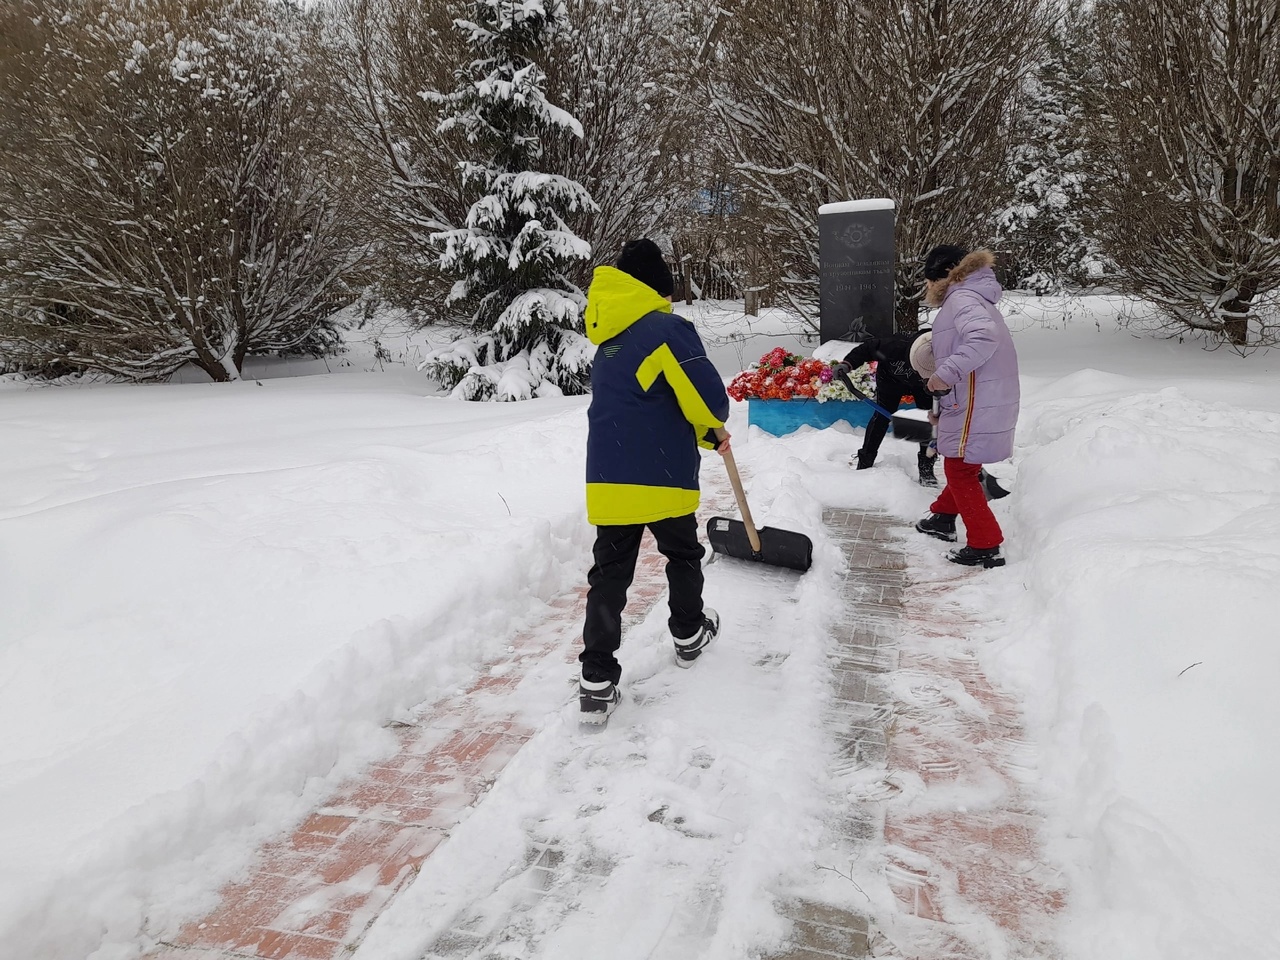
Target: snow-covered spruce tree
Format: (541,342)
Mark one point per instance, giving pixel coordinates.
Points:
(906,99)
(618,69)
(183,202)
(1042,240)
(1186,150)
(511,256)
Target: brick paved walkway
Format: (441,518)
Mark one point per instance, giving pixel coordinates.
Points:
(314,893)
(963,858)
(858,718)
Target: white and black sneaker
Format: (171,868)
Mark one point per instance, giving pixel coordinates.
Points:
(690,648)
(596,700)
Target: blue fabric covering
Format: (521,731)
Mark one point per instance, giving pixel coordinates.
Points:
(780,417)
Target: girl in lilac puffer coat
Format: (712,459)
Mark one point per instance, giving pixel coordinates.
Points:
(977,367)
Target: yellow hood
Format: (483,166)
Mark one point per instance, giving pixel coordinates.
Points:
(616,300)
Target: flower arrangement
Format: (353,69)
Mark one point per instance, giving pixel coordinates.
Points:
(779,375)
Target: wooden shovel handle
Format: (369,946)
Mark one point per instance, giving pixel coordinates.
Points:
(736,482)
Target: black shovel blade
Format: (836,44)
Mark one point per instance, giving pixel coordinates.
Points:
(779,548)
(912,428)
(991,487)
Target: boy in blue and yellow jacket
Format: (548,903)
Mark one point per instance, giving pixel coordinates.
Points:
(656,397)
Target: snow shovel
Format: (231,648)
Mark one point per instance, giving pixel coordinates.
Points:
(904,427)
(907,427)
(990,486)
(740,538)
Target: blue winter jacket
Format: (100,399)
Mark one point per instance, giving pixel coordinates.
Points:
(654,398)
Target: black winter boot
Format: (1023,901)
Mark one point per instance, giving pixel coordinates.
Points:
(926,464)
(940,525)
(865,459)
(977,557)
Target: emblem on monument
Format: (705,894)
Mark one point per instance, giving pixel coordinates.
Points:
(855,236)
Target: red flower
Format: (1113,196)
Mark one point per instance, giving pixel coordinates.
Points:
(780,375)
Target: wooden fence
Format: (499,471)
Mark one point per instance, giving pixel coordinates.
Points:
(706,280)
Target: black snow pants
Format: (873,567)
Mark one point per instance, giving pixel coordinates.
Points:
(615,553)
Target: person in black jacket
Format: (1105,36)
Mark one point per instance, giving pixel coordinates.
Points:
(895,379)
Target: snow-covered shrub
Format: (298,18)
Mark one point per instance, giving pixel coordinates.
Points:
(184,201)
(905,99)
(1185,144)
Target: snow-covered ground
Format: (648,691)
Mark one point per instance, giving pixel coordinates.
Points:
(212,597)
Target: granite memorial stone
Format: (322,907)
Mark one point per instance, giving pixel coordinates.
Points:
(855,247)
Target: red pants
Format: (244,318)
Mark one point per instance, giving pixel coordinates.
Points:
(964,495)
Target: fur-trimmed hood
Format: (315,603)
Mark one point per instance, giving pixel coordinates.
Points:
(977,269)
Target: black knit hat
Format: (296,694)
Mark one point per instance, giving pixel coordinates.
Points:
(939,261)
(643,260)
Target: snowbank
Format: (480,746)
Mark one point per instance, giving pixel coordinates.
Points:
(214,596)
